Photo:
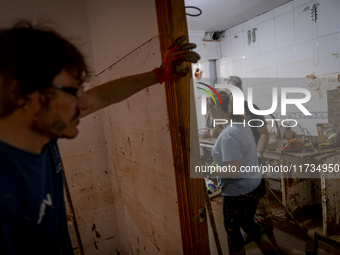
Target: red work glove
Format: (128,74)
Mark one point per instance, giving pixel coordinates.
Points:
(176,54)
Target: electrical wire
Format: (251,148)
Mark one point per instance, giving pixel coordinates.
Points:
(196,8)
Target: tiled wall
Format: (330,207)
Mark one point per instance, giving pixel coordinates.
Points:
(288,48)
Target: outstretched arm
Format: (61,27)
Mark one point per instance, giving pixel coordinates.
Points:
(118,90)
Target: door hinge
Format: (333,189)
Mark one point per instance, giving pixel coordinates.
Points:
(202,214)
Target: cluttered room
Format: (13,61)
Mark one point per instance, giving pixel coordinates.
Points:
(277,53)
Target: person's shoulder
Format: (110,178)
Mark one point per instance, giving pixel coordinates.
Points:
(235,131)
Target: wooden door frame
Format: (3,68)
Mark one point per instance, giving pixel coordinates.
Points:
(171,20)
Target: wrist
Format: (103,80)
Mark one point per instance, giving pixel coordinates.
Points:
(159,74)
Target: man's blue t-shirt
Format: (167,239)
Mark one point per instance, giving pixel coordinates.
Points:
(32,208)
(237,142)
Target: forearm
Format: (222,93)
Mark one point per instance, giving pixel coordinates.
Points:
(117,90)
(262,143)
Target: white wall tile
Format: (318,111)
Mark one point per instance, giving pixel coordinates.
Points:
(263,95)
(305,28)
(252,64)
(236,29)
(297,3)
(288,83)
(237,46)
(307,58)
(328,21)
(286,55)
(268,59)
(222,61)
(252,48)
(240,68)
(227,32)
(266,36)
(226,49)
(287,71)
(283,9)
(265,16)
(329,54)
(268,67)
(284,30)
(269,75)
(253,67)
(223,71)
(289,47)
(250,24)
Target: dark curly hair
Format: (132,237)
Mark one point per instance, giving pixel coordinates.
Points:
(32,56)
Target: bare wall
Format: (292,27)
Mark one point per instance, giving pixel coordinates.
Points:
(125,42)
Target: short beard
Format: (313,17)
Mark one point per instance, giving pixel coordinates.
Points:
(51,126)
(52,129)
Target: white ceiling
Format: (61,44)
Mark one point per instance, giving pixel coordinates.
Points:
(220,15)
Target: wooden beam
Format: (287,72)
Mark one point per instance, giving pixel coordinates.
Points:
(190,192)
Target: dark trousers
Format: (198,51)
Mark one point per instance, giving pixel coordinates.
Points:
(239,212)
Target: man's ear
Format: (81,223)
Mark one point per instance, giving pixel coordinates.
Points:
(15,97)
(11,91)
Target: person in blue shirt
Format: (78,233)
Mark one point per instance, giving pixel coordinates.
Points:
(42,99)
(235,149)
(263,215)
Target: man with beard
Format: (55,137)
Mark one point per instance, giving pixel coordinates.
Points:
(42,98)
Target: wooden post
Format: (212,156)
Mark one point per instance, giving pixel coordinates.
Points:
(190,193)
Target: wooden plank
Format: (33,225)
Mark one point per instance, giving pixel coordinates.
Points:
(190,193)
(330,192)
